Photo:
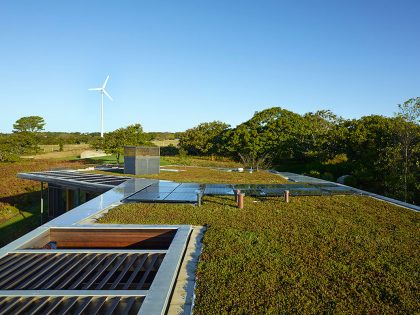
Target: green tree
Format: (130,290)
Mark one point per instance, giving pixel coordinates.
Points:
(27,129)
(29,124)
(409,136)
(115,141)
(204,139)
(378,155)
(273,133)
(10,148)
(321,133)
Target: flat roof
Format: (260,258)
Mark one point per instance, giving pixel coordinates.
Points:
(163,191)
(76,179)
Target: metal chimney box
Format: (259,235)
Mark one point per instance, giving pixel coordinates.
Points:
(141,160)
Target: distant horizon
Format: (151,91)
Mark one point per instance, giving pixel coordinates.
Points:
(175,65)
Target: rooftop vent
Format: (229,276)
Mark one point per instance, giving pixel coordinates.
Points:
(141,160)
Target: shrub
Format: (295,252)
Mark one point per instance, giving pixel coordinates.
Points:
(338,159)
(350,181)
(314,173)
(328,176)
(169,150)
(183,157)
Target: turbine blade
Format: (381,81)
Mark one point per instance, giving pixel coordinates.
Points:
(106,93)
(95,89)
(106,81)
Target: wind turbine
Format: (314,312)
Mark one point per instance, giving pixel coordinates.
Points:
(103,91)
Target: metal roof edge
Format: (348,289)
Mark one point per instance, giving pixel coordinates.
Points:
(395,202)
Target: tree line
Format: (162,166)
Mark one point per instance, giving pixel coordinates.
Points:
(28,133)
(376,153)
(380,154)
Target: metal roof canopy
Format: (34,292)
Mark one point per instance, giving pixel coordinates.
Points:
(76,179)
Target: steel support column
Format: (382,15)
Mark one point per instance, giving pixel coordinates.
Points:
(42,201)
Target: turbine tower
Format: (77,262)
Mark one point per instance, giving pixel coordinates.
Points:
(103,91)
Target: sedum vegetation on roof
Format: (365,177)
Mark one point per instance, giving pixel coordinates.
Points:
(191,174)
(344,254)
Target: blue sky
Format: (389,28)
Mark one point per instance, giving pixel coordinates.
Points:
(174,64)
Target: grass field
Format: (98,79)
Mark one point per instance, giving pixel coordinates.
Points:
(165,143)
(46,148)
(337,254)
(52,152)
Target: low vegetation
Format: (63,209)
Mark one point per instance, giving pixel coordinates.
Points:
(202,161)
(339,254)
(210,175)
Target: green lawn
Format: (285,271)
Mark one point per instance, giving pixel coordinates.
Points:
(339,254)
(20,224)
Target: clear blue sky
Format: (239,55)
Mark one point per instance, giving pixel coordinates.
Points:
(174,64)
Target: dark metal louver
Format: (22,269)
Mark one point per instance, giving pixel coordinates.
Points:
(74,271)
